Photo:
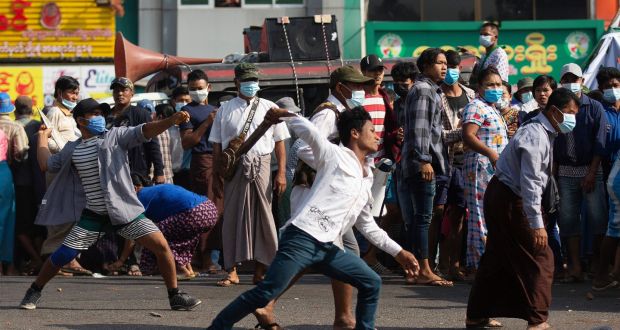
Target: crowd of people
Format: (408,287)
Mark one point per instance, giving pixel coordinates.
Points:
(509,190)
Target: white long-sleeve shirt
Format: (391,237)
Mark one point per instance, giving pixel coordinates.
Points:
(340,196)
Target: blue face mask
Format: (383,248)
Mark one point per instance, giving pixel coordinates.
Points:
(179,106)
(573,87)
(452,77)
(611,95)
(493,95)
(68,104)
(96,125)
(568,123)
(248,88)
(527,97)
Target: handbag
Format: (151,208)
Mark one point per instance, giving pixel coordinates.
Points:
(230,156)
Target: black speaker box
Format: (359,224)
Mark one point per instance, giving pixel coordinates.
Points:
(305,35)
(251,39)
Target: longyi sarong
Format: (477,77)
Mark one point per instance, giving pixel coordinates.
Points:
(514,279)
(248,228)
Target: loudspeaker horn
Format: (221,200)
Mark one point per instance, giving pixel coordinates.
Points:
(135,62)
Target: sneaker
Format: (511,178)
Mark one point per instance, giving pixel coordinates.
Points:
(183,301)
(31,299)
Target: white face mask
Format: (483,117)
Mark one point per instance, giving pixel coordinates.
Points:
(200,95)
(485,41)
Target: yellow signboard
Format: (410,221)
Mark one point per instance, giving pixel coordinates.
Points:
(24,80)
(66,29)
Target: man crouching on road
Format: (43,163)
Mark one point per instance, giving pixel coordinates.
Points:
(93,188)
(340,198)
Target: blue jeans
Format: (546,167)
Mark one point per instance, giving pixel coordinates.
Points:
(297,251)
(571,200)
(422,197)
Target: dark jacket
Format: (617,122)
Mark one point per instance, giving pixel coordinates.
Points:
(142,156)
(391,145)
(590,134)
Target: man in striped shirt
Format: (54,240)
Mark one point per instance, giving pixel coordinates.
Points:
(377,104)
(93,187)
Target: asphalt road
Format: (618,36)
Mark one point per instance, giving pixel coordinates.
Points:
(126,303)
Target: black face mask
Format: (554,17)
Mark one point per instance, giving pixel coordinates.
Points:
(401,90)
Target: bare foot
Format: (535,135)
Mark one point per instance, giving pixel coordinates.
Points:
(433,280)
(265,317)
(344,323)
(539,326)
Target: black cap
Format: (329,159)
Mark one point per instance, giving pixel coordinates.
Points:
(371,63)
(89,105)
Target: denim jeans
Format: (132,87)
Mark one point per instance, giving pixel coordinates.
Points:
(422,197)
(571,200)
(298,251)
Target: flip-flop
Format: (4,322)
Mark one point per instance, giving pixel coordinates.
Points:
(227,282)
(610,285)
(183,277)
(268,326)
(485,324)
(441,283)
(570,279)
(77,271)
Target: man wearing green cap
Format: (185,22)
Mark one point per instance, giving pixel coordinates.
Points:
(524,97)
(248,227)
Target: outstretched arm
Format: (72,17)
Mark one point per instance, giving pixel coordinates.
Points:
(152,129)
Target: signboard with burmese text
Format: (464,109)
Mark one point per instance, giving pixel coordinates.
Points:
(533,47)
(65,30)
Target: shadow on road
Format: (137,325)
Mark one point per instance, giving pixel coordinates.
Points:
(122,326)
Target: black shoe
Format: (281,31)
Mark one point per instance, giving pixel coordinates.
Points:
(31,299)
(183,301)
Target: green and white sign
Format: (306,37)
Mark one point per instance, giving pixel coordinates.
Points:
(533,47)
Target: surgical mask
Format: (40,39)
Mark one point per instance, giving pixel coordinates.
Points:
(96,125)
(357,99)
(452,77)
(486,41)
(248,88)
(611,95)
(401,90)
(200,95)
(502,104)
(568,123)
(68,104)
(527,97)
(573,87)
(493,95)
(179,106)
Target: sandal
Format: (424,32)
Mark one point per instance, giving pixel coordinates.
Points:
(441,282)
(227,282)
(571,279)
(484,324)
(610,285)
(77,271)
(134,270)
(268,326)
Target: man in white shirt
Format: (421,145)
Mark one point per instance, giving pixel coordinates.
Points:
(340,198)
(248,228)
(347,91)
